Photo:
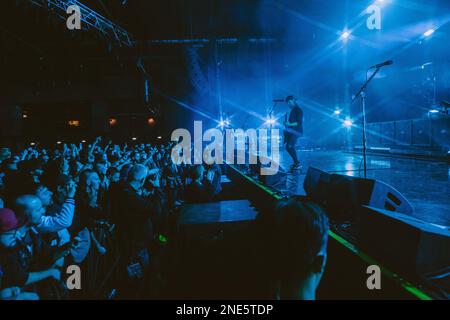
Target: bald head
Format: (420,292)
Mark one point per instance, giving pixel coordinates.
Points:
(137,172)
(89,179)
(137,175)
(30,206)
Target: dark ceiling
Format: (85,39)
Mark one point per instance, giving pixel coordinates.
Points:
(36,47)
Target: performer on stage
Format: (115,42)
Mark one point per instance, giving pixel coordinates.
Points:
(293,129)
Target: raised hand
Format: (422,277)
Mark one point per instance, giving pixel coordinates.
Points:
(54,274)
(70,189)
(210,175)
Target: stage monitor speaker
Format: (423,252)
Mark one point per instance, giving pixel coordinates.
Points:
(316,184)
(343,196)
(404,243)
(346,195)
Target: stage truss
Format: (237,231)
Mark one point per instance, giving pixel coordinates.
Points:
(90,19)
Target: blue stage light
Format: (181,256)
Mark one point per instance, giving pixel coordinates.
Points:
(270,121)
(224,123)
(348,123)
(345,35)
(429,32)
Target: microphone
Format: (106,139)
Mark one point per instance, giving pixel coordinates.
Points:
(278,100)
(386,63)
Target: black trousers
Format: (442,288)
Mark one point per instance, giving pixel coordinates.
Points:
(291,140)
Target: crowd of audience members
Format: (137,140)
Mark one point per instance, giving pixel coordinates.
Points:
(100,206)
(109,209)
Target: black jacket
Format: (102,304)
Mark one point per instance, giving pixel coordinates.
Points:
(133,215)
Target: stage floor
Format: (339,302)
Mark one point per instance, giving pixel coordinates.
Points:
(426,184)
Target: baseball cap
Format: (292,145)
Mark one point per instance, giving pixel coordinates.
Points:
(9,220)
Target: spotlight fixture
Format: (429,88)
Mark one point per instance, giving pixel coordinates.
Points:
(159,137)
(224,123)
(270,121)
(429,32)
(348,123)
(345,35)
(134,138)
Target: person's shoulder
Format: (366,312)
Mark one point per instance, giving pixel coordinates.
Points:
(127,190)
(5,256)
(122,186)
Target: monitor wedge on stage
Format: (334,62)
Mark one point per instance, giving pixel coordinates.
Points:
(316,184)
(342,195)
(401,242)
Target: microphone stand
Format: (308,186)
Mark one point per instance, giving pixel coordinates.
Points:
(271,117)
(271,113)
(273,109)
(362,93)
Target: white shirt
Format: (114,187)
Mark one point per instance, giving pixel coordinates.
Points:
(60,221)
